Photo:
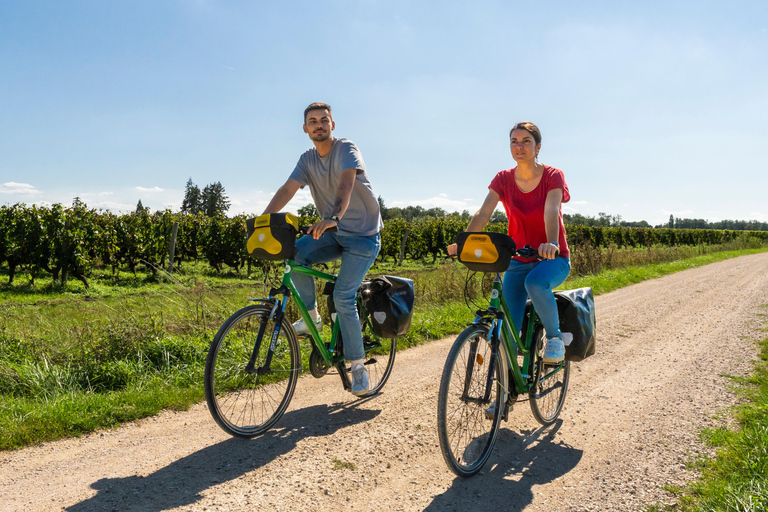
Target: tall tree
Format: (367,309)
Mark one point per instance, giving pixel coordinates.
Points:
(193,201)
(214,200)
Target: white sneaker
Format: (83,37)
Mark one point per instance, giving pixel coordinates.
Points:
(554,352)
(359,380)
(301,327)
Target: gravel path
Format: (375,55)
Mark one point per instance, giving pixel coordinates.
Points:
(630,422)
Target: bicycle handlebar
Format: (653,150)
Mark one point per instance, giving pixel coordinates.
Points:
(525,252)
(303,230)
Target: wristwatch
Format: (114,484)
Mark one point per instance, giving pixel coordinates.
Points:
(336,218)
(555,244)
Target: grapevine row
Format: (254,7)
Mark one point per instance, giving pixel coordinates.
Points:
(71,241)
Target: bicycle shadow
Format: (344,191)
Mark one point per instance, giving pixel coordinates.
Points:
(181,482)
(519,462)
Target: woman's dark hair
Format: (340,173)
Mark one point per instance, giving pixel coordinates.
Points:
(529,127)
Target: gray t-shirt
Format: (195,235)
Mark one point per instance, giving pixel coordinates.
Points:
(362,217)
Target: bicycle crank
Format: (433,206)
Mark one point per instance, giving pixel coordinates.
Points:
(318,367)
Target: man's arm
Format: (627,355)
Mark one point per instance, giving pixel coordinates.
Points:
(283,195)
(340,204)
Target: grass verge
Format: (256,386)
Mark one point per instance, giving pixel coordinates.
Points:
(737,478)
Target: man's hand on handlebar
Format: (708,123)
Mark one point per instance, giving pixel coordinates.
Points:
(452,250)
(318,228)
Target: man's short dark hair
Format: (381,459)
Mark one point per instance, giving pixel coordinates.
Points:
(317,106)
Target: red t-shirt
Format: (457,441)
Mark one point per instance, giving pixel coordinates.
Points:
(525,211)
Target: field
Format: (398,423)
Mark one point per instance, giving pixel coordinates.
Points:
(76,359)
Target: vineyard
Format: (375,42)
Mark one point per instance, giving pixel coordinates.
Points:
(70,242)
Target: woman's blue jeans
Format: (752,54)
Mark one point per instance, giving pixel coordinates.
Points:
(535,280)
(357,254)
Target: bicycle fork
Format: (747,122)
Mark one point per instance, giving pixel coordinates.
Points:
(277,314)
(490,380)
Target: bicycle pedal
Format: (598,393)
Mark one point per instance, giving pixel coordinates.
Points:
(490,412)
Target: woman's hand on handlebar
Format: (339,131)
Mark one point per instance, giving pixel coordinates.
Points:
(548,251)
(318,228)
(452,250)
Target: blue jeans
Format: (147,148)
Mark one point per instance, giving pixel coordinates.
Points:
(535,280)
(357,254)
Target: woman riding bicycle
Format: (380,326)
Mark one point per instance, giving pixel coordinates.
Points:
(532,194)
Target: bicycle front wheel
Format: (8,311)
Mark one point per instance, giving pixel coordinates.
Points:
(469,403)
(547,396)
(244,394)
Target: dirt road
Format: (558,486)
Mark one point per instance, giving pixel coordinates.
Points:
(630,422)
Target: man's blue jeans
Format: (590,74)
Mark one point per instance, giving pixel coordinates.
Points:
(357,254)
(535,280)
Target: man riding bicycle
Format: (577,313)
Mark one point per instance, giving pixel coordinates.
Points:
(335,173)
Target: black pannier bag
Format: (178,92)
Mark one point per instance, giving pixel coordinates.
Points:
(485,252)
(576,309)
(389,303)
(272,236)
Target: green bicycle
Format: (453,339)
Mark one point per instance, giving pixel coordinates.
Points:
(487,368)
(254,360)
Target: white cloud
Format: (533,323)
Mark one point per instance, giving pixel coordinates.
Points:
(153,189)
(24,189)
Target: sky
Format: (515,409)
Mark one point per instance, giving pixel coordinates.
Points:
(650,109)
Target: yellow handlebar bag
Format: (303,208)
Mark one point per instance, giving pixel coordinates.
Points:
(272,236)
(485,252)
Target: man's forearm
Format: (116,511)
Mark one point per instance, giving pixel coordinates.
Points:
(344,192)
(279,200)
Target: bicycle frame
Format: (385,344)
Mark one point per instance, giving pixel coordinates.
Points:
(501,324)
(287,289)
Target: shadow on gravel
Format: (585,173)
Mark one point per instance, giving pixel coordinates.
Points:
(518,463)
(180,483)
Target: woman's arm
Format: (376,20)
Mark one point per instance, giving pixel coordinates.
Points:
(551,223)
(481,218)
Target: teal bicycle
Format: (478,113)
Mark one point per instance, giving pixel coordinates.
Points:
(254,360)
(489,366)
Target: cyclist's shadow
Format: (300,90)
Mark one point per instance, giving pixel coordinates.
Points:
(181,482)
(515,467)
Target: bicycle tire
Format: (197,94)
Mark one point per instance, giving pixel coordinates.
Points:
(248,404)
(379,359)
(547,396)
(466,435)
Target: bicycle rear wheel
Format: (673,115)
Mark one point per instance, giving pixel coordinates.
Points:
(379,358)
(246,400)
(468,390)
(548,394)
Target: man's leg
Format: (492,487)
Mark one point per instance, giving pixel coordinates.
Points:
(311,251)
(358,254)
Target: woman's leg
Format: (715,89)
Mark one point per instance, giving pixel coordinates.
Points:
(513,289)
(539,283)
